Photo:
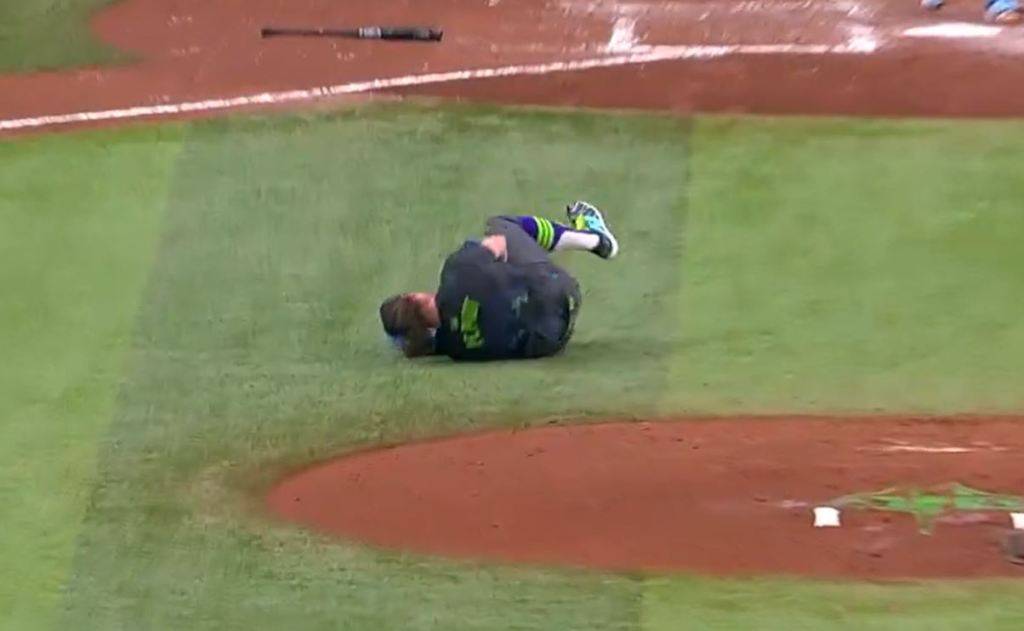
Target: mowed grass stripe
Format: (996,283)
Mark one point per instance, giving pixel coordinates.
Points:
(853,266)
(671,604)
(79,216)
(259,348)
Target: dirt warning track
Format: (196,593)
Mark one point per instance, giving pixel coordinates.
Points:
(916,498)
(877,57)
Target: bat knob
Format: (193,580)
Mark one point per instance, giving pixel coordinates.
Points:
(429,34)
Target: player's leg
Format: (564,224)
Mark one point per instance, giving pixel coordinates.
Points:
(557,237)
(551,315)
(522,247)
(570,288)
(589,233)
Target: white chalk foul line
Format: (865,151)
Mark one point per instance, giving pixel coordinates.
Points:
(934,449)
(641,54)
(953,30)
(922,449)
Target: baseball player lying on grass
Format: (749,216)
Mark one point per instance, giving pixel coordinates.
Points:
(999,11)
(501,297)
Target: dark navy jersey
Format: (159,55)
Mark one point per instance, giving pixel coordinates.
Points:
(491,309)
(480,301)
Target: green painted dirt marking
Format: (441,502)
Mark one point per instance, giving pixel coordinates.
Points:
(929,504)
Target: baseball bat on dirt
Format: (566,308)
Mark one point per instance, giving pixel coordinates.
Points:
(409,33)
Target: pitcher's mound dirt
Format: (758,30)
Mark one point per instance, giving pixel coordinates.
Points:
(718,496)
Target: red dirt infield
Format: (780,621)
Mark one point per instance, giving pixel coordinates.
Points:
(714,496)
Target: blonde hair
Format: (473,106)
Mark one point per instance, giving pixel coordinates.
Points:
(403,319)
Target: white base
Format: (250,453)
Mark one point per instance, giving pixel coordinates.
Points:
(827,517)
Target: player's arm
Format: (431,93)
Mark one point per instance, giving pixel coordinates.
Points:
(498,246)
(481,255)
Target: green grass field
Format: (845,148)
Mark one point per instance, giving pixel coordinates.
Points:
(191,308)
(49,34)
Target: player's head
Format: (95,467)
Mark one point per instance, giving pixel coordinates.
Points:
(409,320)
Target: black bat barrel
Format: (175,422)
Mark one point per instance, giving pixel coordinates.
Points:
(408,33)
(401,32)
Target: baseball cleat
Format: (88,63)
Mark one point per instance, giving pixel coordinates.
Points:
(1003,11)
(932,5)
(1013,16)
(585,216)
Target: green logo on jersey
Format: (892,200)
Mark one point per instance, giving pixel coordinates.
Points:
(470,325)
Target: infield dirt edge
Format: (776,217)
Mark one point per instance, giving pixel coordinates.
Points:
(620,496)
